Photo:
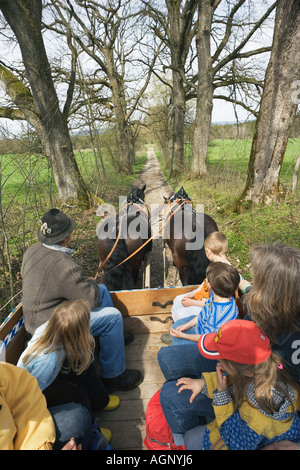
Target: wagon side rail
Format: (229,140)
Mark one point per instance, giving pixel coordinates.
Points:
(12,336)
(130,303)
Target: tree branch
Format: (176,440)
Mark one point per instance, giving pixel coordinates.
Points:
(19,94)
(234,53)
(234,101)
(228,30)
(14,114)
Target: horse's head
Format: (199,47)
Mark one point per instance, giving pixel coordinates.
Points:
(181,194)
(136,194)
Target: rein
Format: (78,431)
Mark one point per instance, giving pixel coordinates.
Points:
(101,265)
(183,201)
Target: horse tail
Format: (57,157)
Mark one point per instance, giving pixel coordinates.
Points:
(196,265)
(120,277)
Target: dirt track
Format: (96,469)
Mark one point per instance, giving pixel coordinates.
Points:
(156,188)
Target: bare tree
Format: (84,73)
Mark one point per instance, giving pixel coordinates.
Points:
(158,121)
(221,30)
(224,67)
(39,104)
(278,107)
(102,31)
(176,29)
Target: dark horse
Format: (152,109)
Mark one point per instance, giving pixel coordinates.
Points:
(119,237)
(184,232)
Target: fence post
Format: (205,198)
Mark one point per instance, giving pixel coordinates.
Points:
(295,176)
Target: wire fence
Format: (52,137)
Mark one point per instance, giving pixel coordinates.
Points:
(27,191)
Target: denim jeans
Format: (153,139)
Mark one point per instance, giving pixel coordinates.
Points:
(178,361)
(72,420)
(193,438)
(107,324)
(190,331)
(104,298)
(183,360)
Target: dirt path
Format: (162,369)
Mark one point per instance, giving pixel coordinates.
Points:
(156,188)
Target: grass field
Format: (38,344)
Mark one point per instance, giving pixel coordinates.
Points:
(28,190)
(24,176)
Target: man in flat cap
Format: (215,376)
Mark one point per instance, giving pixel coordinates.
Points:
(51,276)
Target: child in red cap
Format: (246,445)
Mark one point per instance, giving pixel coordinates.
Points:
(253,395)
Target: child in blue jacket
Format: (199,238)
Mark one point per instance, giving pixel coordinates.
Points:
(220,307)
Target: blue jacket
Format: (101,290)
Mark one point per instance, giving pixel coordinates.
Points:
(214,314)
(44,367)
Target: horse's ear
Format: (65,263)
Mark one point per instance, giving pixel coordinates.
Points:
(143,188)
(166,199)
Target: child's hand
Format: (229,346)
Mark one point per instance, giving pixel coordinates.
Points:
(187,301)
(190,295)
(193,302)
(195,385)
(182,327)
(177,333)
(221,378)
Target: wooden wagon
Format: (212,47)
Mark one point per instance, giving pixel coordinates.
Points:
(146,312)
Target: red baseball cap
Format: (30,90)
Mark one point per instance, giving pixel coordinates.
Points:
(237,340)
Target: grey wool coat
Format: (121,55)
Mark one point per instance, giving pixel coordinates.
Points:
(51,277)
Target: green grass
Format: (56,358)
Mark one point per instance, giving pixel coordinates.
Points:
(22,173)
(27,191)
(233,155)
(30,177)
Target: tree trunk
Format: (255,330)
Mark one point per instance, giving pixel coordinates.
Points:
(24,17)
(205,91)
(178,118)
(119,103)
(277,108)
(180,20)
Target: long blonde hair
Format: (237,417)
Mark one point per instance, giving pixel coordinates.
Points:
(267,376)
(274,301)
(69,329)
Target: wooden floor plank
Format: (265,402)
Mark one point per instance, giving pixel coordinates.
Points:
(144,348)
(128,422)
(148,324)
(132,434)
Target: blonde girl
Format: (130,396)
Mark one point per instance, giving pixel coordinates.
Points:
(60,356)
(185,305)
(68,330)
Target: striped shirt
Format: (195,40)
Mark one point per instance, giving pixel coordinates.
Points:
(214,314)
